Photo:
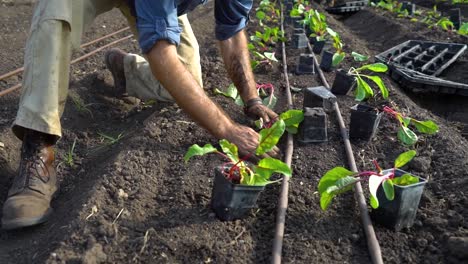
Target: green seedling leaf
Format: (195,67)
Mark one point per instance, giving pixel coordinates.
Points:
(388,189)
(259,123)
(377,80)
(270,56)
(269,137)
(338,58)
(260,15)
(196,150)
(270,101)
(267,166)
(231,92)
(426,127)
(405,179)
(230,150)
(404,158)
(375,67)
(359,57)
(328,180)
(292,119)
(368,92)
(360,91)
(343,184)
(374,183)
(374,203)
(407,136)
(463,29)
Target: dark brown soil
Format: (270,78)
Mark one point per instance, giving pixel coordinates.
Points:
(154,208)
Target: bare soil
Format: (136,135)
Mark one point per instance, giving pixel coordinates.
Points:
(154,208)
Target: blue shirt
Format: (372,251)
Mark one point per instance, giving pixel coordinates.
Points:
(157,19)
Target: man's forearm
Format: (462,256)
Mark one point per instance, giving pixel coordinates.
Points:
(172,74)
(237,61)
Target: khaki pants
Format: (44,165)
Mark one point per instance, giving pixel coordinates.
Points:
(56,29)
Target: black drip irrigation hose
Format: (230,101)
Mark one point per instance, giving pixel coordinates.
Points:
(283,198)
(372,242)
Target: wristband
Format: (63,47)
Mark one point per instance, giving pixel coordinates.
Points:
(250,103)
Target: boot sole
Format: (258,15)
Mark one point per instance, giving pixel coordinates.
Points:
(25,222)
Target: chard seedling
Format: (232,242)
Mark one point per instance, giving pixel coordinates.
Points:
(405,134)
(340,180)
(266,11)
(239,172)
(463,29)
(317,24)
(339,54)
(265,91)
(364,90)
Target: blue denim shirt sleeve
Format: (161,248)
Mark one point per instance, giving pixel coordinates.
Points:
(231,17)
(156,20)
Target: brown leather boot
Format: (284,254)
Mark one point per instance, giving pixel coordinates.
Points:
(28,201)
(114,59)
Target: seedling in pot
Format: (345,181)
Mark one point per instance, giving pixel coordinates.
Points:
(405,134)
(317,23)
(340,180)
(364,90)
(329,59)
(239,171)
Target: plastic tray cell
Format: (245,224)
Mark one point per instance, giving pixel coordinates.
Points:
(349,7)
(430,58)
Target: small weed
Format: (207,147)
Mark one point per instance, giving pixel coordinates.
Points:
(69,156)
(110,140)
(81,106)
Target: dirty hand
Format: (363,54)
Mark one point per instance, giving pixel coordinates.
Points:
(246,140)
(254,108)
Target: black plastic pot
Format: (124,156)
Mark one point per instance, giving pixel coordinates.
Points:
(408,6)
(232,201)
(300,41)
(327,61)
(320,45)
(294,20)
(319,97)
(455,17)
(364,122)
(305,65)
(313,129)
(401,211)
(343,82)
(298,24)
(298,31)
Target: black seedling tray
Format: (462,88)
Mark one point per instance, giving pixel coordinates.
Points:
(422,83)
(305,64)
(319,97)
(349,7)
(429,58)
(300,41)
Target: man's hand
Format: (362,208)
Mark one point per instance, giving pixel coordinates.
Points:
(256,109)
(246,140)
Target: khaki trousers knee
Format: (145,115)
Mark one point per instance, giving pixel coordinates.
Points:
(56,29)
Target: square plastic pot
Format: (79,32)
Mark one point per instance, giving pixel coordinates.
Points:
(232,201)
(305,64)
(313,129)
(300,41)
(364,122)
(326,63)
(410,7)
(319,96)
(401,211)
(455,17)
(320,45)
(343,83)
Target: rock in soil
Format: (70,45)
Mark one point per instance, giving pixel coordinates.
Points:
(458,246)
